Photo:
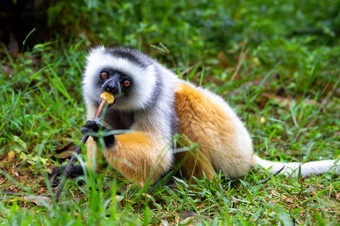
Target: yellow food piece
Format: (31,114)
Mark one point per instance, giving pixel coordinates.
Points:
(108,97)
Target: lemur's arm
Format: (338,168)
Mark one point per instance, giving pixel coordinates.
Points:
(95,160)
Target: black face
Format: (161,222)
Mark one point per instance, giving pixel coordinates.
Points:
(115,82)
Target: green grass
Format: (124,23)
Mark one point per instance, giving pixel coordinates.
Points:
(286,90)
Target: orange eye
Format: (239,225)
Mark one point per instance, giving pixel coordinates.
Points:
(127,83)
(104,75)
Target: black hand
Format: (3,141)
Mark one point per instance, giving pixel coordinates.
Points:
(76,171)
(93,127)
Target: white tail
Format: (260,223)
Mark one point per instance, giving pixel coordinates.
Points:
(295,169)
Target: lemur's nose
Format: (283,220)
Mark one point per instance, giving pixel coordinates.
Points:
(112,86)
(109,88)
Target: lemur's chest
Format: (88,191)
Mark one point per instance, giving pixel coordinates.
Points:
(118,120)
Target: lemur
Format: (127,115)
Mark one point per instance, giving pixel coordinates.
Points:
(154,104)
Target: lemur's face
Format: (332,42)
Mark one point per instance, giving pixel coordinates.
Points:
(115,82)
(127,74)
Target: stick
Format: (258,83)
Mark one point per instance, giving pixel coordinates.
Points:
(76,152)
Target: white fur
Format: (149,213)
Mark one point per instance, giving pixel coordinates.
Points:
(296,169)
(143,85)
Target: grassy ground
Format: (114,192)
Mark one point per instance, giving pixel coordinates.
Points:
(277,63)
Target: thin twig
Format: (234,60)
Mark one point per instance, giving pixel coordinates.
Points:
(268,178)
(74,156)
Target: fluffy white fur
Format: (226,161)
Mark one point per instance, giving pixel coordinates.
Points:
(98,59)
(296,169)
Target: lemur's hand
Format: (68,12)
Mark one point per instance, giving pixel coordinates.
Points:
(97,130)
(57,172)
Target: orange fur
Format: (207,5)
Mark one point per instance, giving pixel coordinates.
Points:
(95,160)
(194,163)
(138,157)
(92,158)
(206,123)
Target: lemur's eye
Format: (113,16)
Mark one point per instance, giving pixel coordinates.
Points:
(127,83)
(104,75)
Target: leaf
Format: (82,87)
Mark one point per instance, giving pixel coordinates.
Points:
(39,200)
(10,156)
(65,151)
(19,141)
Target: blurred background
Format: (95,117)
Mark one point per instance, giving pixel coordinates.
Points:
(190,30)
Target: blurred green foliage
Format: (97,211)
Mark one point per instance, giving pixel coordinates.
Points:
(287,36)
(198,25)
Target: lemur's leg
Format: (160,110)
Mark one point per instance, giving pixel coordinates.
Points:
(191,112)
(207,120)
(95,159)
(138,156)
(195,163)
